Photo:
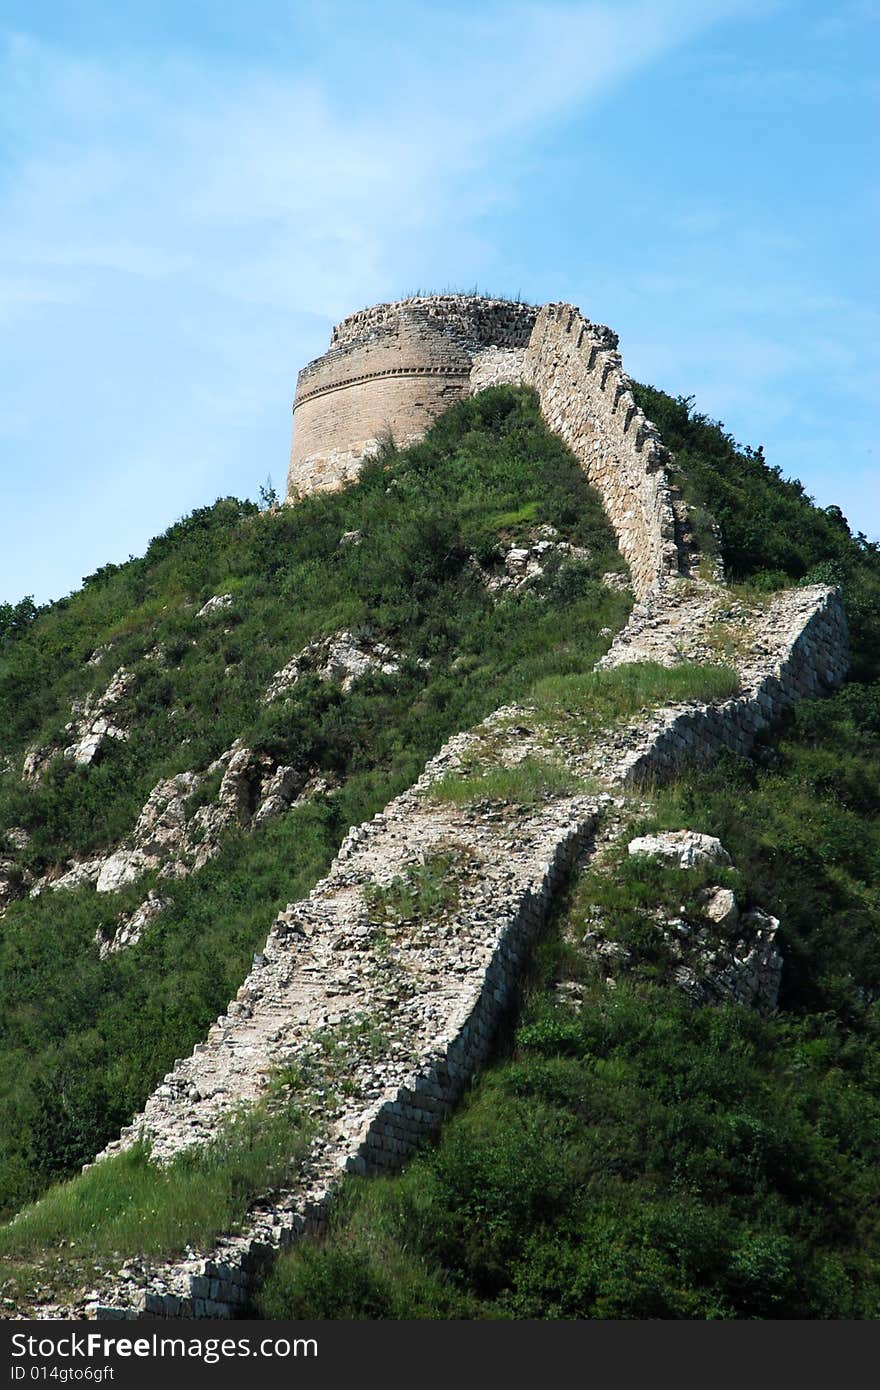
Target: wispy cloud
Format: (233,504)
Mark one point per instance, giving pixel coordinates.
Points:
(178,227)
(296,187)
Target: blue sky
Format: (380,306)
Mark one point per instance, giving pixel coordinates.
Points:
(193,191)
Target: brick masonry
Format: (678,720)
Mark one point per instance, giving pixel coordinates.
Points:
(586,398)
(392,369)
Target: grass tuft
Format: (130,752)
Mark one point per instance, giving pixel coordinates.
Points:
(602,698)
(526,784)
(128,1205)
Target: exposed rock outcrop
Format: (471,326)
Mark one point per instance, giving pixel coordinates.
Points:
(527,564)
(217,604)
(11,883)
(92,723)
(719,953)
(343,657)
(682,847)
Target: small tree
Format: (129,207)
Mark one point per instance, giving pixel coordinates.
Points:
(268,495)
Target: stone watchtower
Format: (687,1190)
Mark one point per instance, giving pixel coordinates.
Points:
(394,368)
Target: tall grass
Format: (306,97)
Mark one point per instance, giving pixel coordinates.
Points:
(586,702)
(129,1205)
(526,784)
(597,699)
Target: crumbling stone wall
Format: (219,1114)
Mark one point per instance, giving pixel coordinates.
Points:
(449,994)
(394,367)
(474,320)
(440,993)
(587,399)
(813,660)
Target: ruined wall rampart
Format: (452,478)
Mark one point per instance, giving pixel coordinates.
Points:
(586,398)
(814,660)
(474,320)
(439,995)
(392,368)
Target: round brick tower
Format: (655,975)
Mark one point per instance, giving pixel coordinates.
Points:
(392,369)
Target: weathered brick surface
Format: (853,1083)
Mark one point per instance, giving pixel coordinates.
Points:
(587,399)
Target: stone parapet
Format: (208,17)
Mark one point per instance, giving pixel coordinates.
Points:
(810,658)
(586,398)
(476,320)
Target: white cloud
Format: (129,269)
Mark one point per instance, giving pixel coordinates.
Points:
(176,231)
(276,185)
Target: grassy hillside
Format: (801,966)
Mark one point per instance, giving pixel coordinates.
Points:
(628,1154)
(83,1041)
(635,1155)
(772,535)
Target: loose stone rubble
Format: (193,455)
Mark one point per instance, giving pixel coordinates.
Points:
(682,847)
(526,565)
(722,954)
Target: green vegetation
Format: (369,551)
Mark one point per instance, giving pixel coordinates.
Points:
(524,784)
(422,892)
(83,1041)
(585,703)
(593,700)
(636,1159)
(128,1204)
(630,1154)
(771,533)
(633,1155)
